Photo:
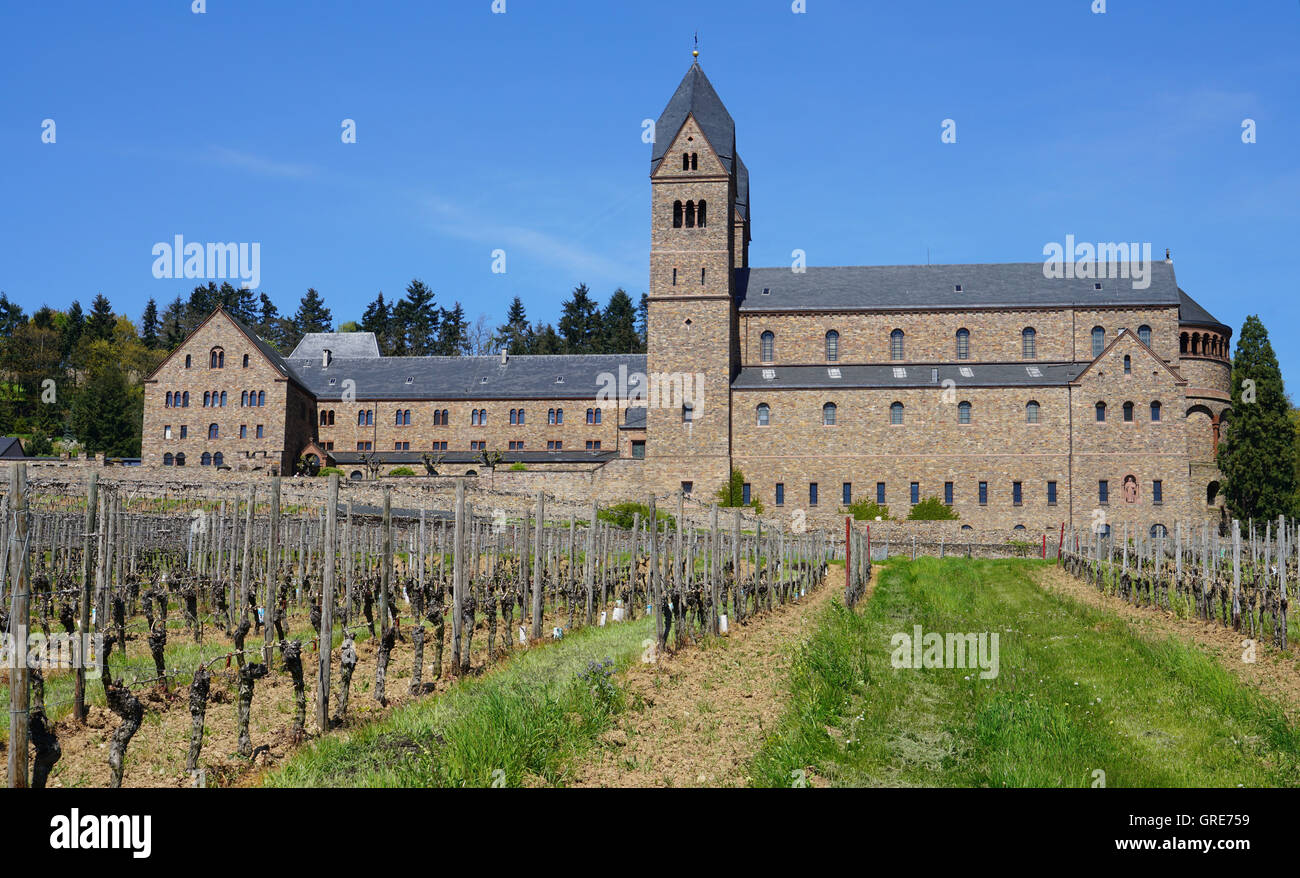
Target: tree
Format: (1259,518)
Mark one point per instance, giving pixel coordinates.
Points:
(545,340)
(106,415)
(643,321)
(312,316)
(270,325)
(932,509)
(453,332)
(1257,457)
(580,322)
(101,321)
(1295,421)
(173,325)
(72,328)
(150,325)
(415,322)
(512,336)
(618,326)
(11,316)
(378,318)
(732,494)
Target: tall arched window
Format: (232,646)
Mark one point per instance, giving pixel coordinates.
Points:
(1155,412)
(1128,365)
(695,161)
(216,359)
(214,431)
(1098,341)
(690,214)
(1128,412)
(169,399)
(1029,343)
(223,399)
(207,398)
(261,397)
(896,413)
(963,412)
(963,344)
(399,418)
(559,416)
(514,417)
(185,400)
(473,418)
(361,419)
(702,213)
(677,214)
(205,460)
(243,399)
(188,361)
(828,415)
(1183,343)
(832,347)
(1031,412)
(686,161)
(764,414)
(1144,335)
(1101,412)
(245,361)
(767,347)
(896,344)
(218,459)
(180,458)
(168,459)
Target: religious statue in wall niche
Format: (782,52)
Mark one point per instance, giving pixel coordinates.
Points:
(1130,489)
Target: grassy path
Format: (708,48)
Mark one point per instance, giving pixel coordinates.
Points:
(1078,693)
(698,717)
(520,724)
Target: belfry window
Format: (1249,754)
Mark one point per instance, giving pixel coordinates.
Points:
(690,214)
(677,214)
(701,213)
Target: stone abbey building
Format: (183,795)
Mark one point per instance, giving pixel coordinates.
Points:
(1021,399)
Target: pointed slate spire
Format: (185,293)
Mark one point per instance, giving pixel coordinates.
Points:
(696,96)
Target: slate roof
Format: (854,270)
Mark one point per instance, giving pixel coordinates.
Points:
(1190,313)
(339,344)
(933,287)
(268,350)
(874,376)
(522,377)
(416,458)
(696,96)
(11,448)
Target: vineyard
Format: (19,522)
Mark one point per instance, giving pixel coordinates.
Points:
(195,641)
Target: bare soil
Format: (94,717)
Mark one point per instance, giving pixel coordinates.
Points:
(697,717)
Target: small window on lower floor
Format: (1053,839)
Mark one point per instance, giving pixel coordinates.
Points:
(1157,492)
(1051,493)
(688,488)
(947,493)
(984,493)
(848,493)
(746,494)
(638,449)
(780,494)
(812,493)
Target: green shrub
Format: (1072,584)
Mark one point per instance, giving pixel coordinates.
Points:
(623,514)
(868,510)
(403,472)
(332,471)
(732,496)
(519,468)
(932,509)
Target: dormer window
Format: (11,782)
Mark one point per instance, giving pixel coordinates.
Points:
(956,288)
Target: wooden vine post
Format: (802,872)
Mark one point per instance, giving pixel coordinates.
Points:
(83,630)
(538,567)
(327,606)
(20,576)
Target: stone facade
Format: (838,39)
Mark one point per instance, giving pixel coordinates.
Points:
(1015,460)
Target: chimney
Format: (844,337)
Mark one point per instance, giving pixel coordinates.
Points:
(1168,256)
(505,357)
(325,357)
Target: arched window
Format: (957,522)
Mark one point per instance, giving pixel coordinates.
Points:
(896,413)
(690,214)
(591,416)
(361,419)
(1128,412)
(896,344)
(1128,365)
(1031,412)
(188,361)
(214,431)
(767,347)
(1182,343)
(701,213)
(1028,343)
(223,399)
(1019,530)
(514,417)
(207,399)
(323,421)
(832,347)
(688,413)
(1098,341)
(243,399)
(1159,532)
(245,361)
(446,417)
(559,416)
(963,344)
(169,399)
(473,418)
(218,459)
(677,214)
(205,460)
(216,359)
(1144,335)
(437,418)
(1101,412)
(261,397)
(764,414)
(1211,492)
(1155,412)
(963,412)
(180,458)
(686,161)
(828,415)
(169,459)
(599,417)
(185,400)
(695,161)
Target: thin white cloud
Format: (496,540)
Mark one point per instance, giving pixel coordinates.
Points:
(257,164)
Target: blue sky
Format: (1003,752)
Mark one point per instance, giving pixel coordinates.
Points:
(522,131)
